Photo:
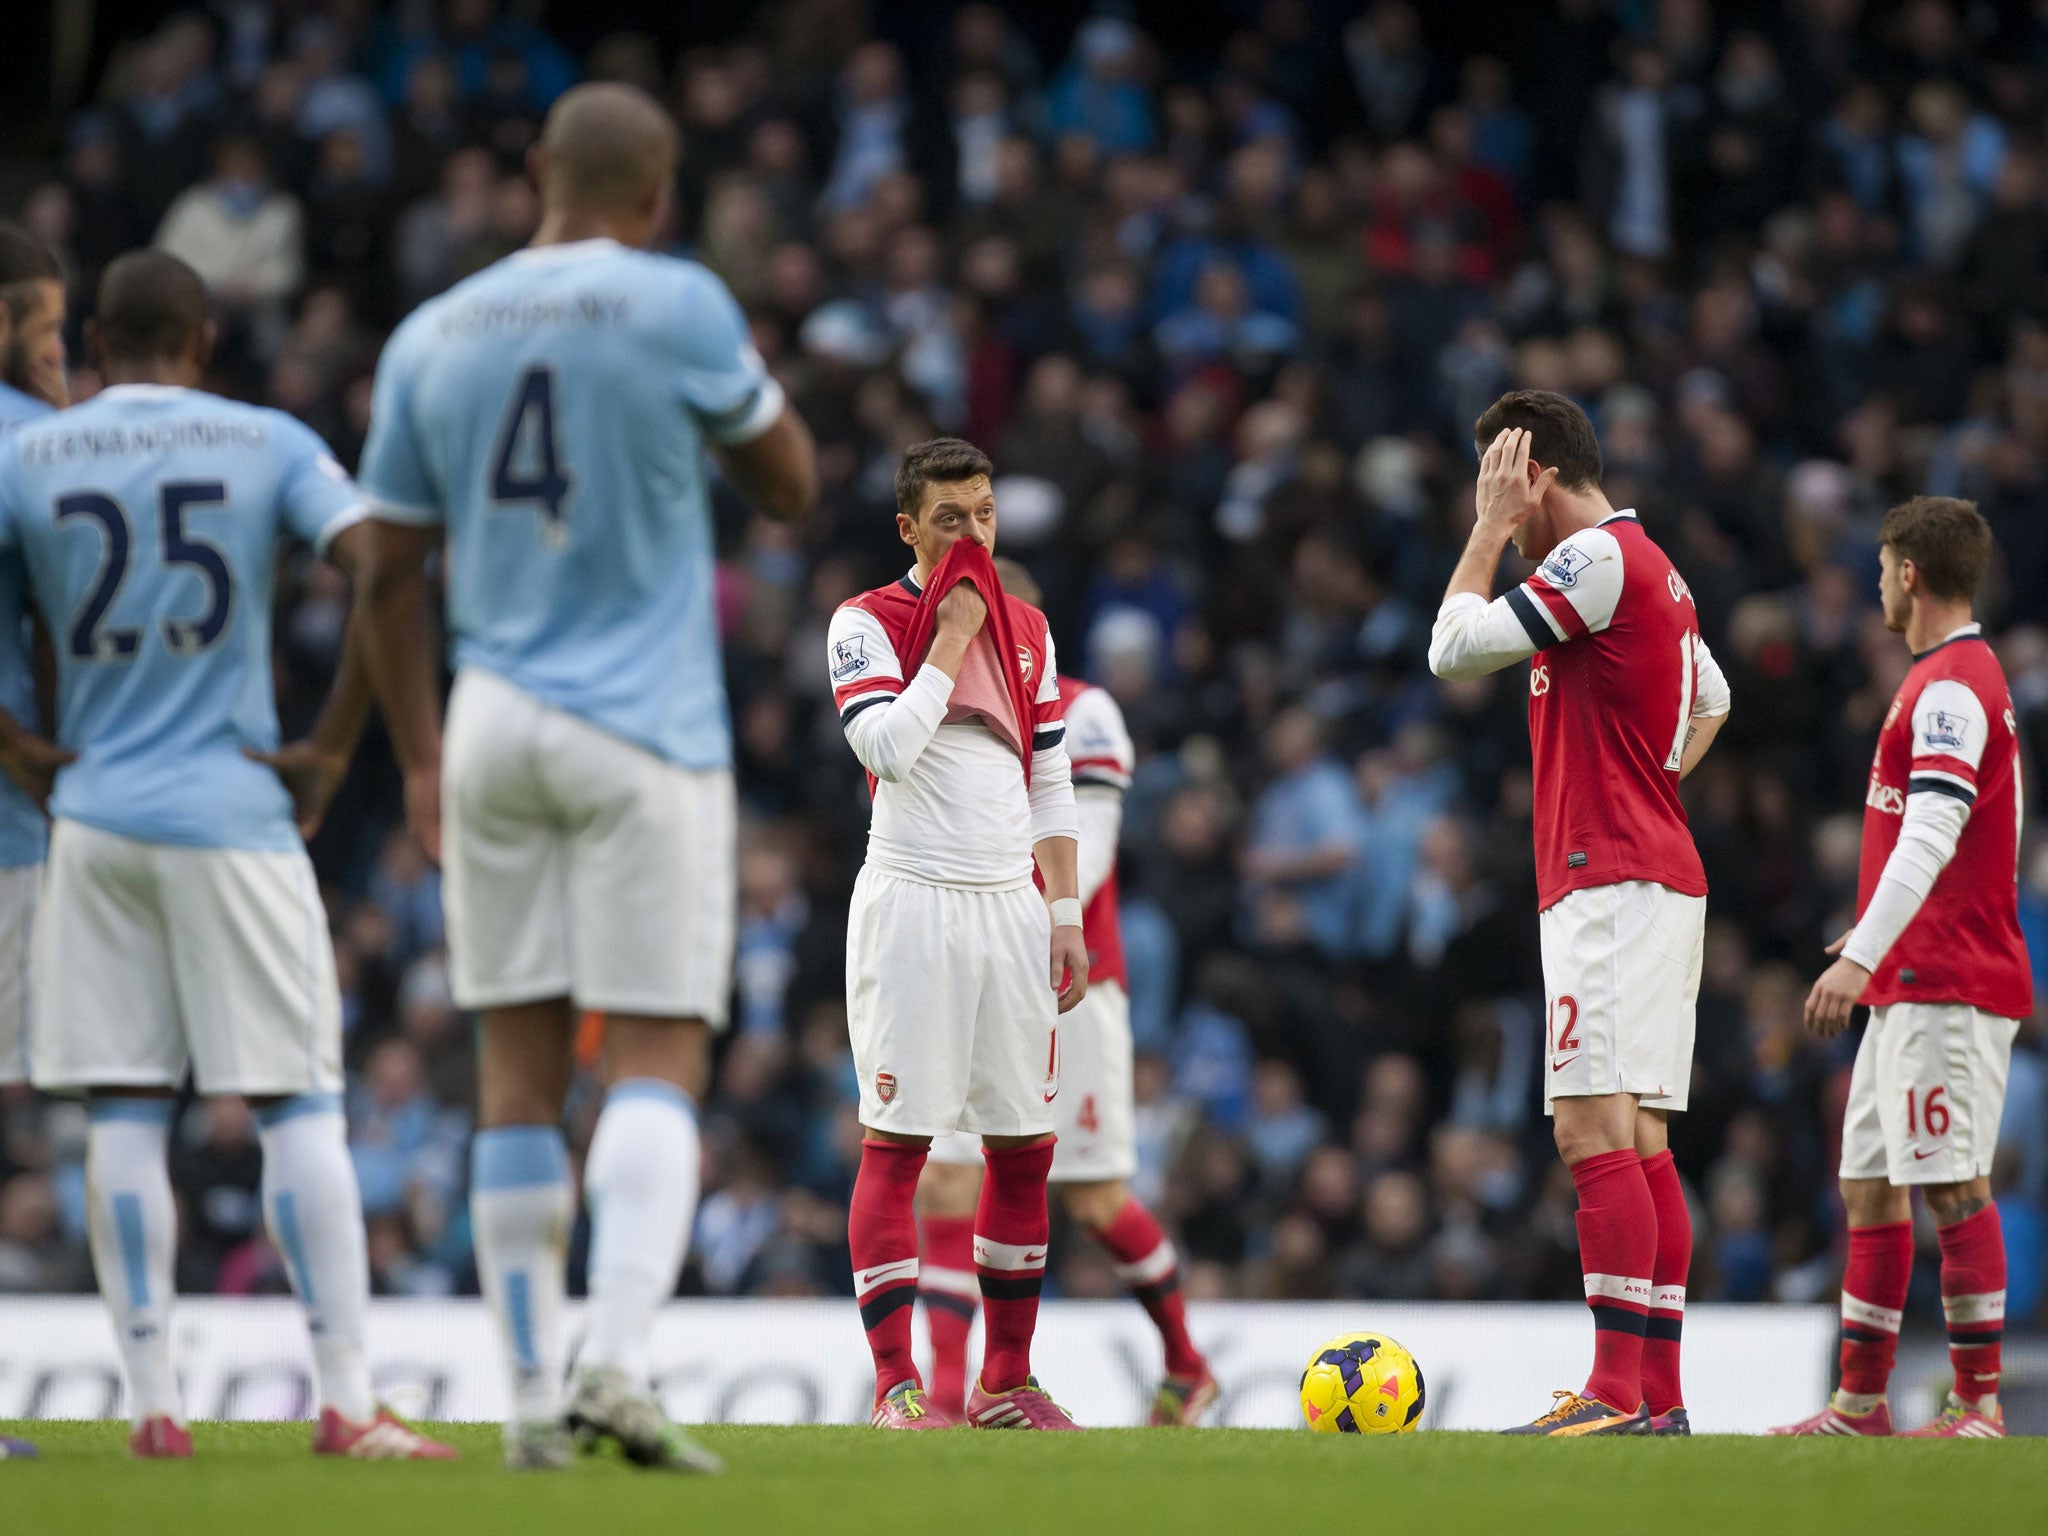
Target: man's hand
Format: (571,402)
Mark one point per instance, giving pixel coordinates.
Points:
(423,808)
(311,775)
(1834,996)
(32,762)
(962,612)
(1069,965)
(1507,497)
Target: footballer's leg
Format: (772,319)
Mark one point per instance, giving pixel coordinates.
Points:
(505,890)
(641,1178)
(1958,1132)
(132,1223)
(254,975)
(1092,1164)
(1014,1080)
(649,870)
(1586,1087)
(105,1020)
(947,1193)
(17,920)
(1663,1393)
(1150,1269)
(913,980)
(521,1207)
(1666,973)
(1879,1264)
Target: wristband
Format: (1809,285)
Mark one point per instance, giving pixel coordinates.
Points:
(1066,912)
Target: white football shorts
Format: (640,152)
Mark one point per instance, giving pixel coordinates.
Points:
(577,864)
(1926,1094)
(1093,1113)
(149,957)
(1621,977)
(950,1008)
(18,887)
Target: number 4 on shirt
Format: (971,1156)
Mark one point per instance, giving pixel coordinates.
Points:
(536,474)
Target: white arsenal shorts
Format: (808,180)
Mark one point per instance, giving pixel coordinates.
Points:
(17,922)
(1621,975)
(577,864)
(950,1006)
(149,957)
(1093,1113)
(1926,1094)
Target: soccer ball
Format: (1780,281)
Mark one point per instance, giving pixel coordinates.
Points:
(1362,1384)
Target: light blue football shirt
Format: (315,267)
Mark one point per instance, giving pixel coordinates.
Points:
(148,520)
(23,831)
(552,412)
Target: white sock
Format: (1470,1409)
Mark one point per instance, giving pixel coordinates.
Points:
(641,1180)
(520,1206)
(315,1214)
(133,1227)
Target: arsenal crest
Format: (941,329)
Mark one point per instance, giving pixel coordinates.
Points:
(885,1086)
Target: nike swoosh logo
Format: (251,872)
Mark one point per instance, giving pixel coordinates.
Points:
(1051,1096)
(868,1277)
(1034,1258)
(1559,1066)
(1921,1157)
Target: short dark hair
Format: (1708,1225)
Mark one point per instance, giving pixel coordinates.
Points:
(1947,540)
(150,305)
(1018,581)
(1561,435)
(24,258)
(939,461)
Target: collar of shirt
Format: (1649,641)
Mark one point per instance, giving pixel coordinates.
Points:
(566,250)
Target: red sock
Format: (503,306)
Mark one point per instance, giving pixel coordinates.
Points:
(1147,1264)
(1661,1389)
(1873,1301)
(1617,1251)
(1010,1232)
(1973,1300)
(945,1280)
(881,1231)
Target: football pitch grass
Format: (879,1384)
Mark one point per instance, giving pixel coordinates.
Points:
(828,1481)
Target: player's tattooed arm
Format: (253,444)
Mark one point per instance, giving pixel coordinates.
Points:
(1699,736)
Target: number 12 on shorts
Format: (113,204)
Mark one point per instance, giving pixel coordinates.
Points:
(1564,1025)
(1930,1112)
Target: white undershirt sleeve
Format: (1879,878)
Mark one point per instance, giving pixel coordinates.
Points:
(889,738)
(1473,637)
(1932,826)
(1101,813)
(1052,795)
(1710,695)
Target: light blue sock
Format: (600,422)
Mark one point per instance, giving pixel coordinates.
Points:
(641,1177)
(520,1207)
(133,1227)
(315,1214)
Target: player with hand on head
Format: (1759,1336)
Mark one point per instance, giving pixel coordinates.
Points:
(1624,700)
(956,968)
(1096,1153)
(32,384)
(549,416)
(181,927)
(1938,957)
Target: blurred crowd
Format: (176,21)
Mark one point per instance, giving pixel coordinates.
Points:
(1223,318)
